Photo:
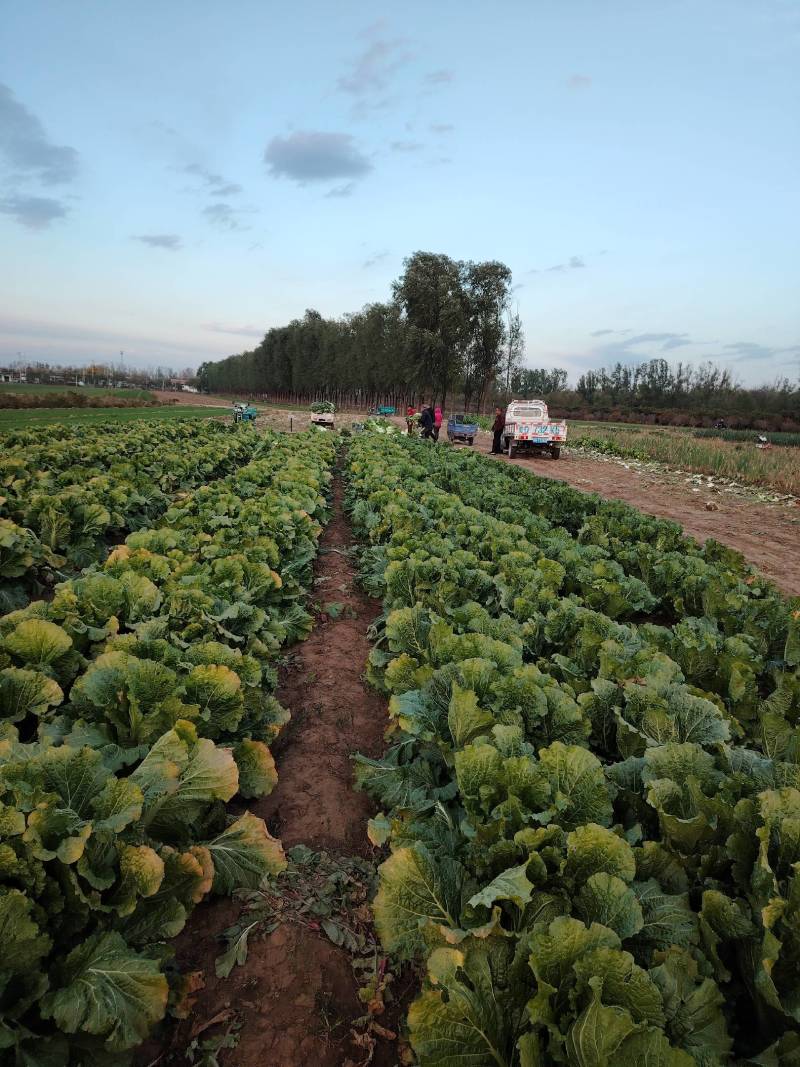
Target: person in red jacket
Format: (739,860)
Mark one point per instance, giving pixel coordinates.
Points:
(411,411)
(437,422)
(498,426)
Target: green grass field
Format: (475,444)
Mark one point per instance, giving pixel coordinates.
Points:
(28,419)
(70,387)
(589,424)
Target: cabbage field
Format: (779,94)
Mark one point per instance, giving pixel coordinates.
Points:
(587,814)
(591,793)
(136,700)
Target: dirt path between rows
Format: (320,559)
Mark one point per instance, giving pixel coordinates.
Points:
(295,997)
(768,536)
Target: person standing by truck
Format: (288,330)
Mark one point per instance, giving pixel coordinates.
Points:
(498,426)
(437,421)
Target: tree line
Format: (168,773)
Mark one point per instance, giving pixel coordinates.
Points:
(449,332)
(658,392)
(656,385)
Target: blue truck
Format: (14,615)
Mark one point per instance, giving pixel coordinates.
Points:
(459,429)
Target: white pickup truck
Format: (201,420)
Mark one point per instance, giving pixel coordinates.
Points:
(529,427)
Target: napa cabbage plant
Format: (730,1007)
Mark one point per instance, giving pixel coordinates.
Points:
(97,869)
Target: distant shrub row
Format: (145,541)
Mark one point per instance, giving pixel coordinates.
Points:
(75,399)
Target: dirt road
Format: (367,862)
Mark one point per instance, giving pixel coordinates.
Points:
(294,1000)
(768,536)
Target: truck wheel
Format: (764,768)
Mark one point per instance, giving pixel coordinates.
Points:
(555,452)
(511,448)
(469,440)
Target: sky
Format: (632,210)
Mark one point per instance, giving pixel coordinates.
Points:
(176,178)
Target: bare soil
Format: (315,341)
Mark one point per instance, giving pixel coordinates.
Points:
(767,535)
(295,996)
(333,713)
(199,400)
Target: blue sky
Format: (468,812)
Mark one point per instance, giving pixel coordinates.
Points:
(177,177)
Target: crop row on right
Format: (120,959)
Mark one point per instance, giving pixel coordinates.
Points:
(738,460)
(594,824)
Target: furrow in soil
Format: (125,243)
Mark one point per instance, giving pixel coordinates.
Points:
(293,1001)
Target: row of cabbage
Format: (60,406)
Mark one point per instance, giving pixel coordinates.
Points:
(596,855)
(133,706)
(638,563)
(64,499)
(731,634)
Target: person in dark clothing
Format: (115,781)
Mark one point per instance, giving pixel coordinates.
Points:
(426,421)
(498,426)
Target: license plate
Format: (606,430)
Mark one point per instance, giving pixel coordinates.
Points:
(539,440)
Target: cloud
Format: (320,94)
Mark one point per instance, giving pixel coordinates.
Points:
(374,259)
(579,81)
(406,146)
(439,77)
(667,341)
(441,127)
(371,72)
(573,263)
(679,341)
(225,216)
(229,189)
(313,156)
(340,191)
(240,331)
(749,350)
(26,148)
(216,185)
(163,127)
(35,212)
(170,241)
(640,346)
